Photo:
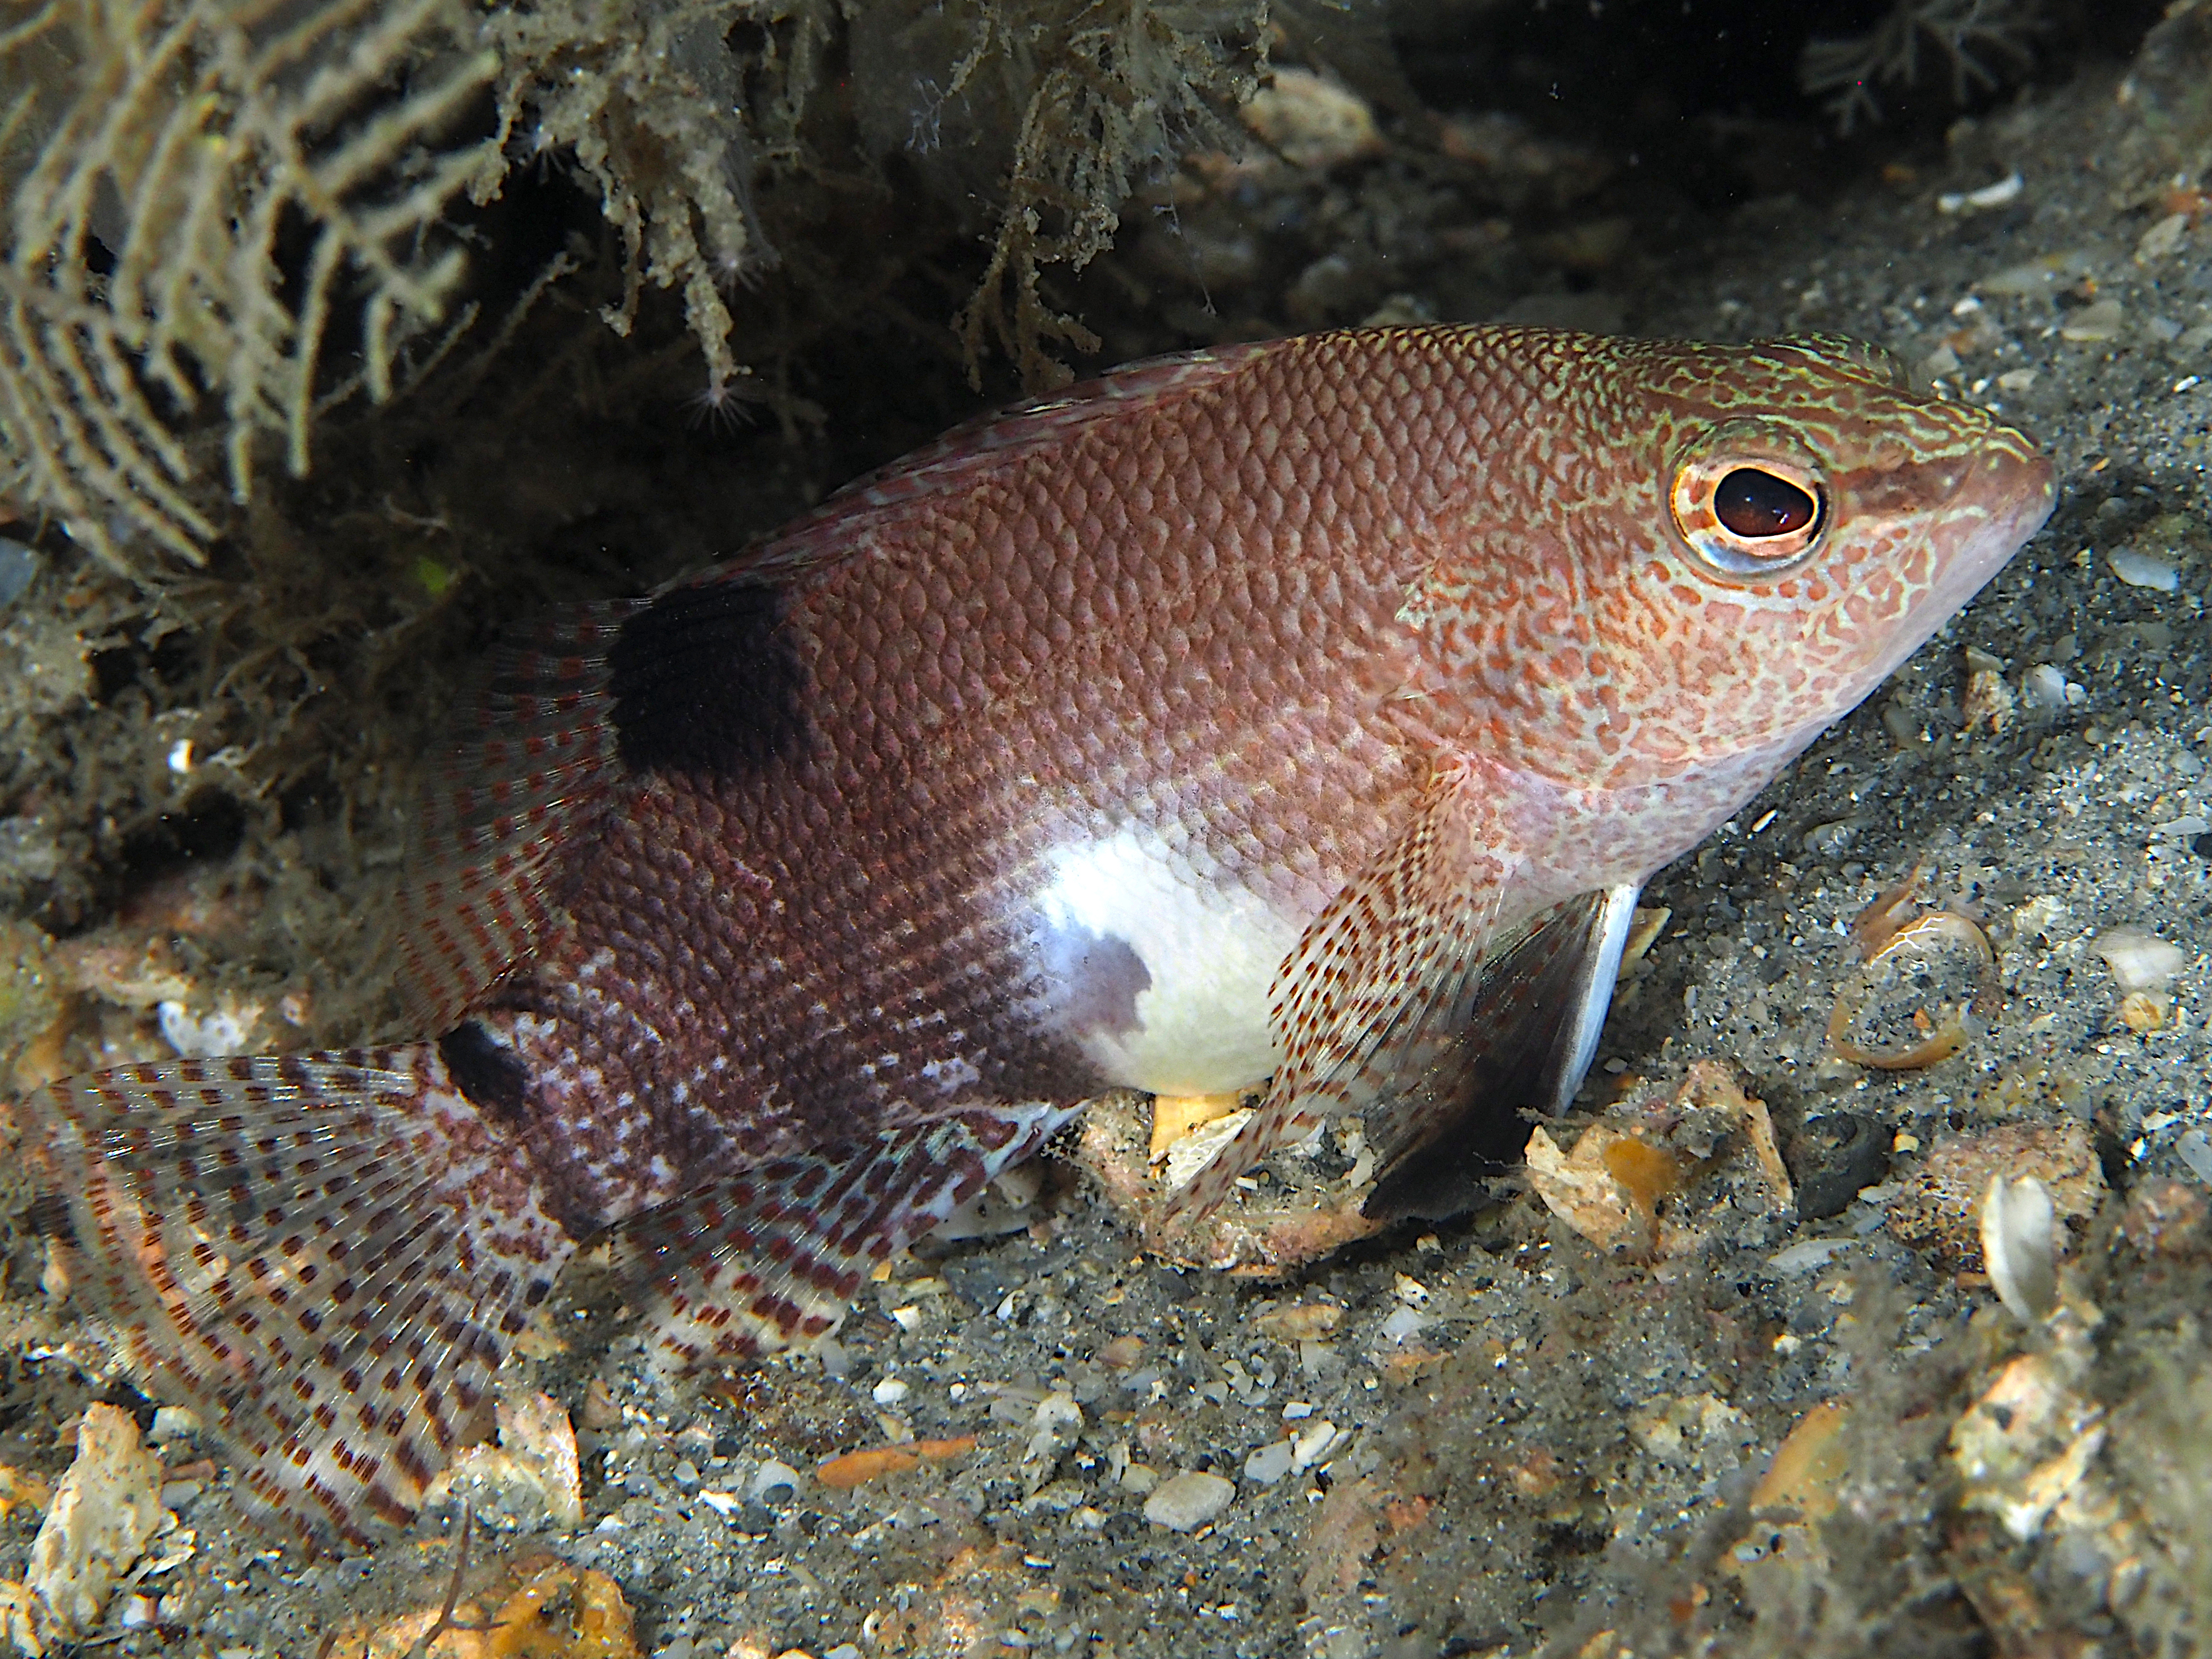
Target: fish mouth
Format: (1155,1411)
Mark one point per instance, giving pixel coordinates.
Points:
(2010,487)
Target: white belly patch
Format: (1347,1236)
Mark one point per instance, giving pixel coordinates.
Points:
(1162,979)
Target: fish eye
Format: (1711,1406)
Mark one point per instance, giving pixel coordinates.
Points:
(1749,516)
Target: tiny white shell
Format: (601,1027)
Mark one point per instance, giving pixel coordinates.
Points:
(2017,1246)
(2140,961)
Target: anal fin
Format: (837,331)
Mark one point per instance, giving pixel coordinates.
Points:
(772,1257)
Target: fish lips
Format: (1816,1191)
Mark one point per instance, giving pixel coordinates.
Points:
(2011,488)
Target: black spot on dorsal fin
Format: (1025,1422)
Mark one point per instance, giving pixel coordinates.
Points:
(489,1076)
(705,679)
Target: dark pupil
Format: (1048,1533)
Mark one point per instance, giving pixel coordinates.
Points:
(1756,505)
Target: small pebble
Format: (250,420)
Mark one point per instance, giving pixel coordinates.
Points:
(1301,1320)
(1806,1255)
(2195,1149)
(1187,1501)
(1403,1323)
(2094,323)
(775,1482)
(2038,276)
(18,563)
(1312,122)
(1828,840)
(173,1422)
(1830,1158)
(2140,570)
(2138,961)
(2162,239)
(1270,1463)
(2046,687)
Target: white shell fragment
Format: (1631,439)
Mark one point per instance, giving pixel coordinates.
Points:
(1195,1149)
(2139,961)
(1185,1502)
(2195,1149)
(2018,1227)
(107,1507)
(220,1031)
(2046,687)
(2007,188)
(2140,570)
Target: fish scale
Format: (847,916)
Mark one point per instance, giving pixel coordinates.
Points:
(1302,716)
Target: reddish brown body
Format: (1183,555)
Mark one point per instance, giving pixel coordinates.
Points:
(1311,709)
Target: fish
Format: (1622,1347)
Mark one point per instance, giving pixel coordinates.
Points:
(1303,716)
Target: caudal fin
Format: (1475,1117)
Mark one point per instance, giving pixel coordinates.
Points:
(325,1255)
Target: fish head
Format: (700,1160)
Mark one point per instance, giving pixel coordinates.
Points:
(1760,534)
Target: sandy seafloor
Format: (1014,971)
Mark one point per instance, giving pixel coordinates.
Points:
(1538,1443)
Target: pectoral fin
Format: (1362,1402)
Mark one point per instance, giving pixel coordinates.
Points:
(1405,1008)
(1540,1002)
(1371,1000)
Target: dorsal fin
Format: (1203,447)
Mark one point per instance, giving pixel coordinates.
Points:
(949,464)
(536,753)
(530,763)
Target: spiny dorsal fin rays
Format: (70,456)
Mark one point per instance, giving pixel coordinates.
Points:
(531,762)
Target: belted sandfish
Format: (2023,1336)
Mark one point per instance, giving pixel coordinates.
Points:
(1310,710)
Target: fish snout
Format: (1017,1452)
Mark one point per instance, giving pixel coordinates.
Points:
(2013,481)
